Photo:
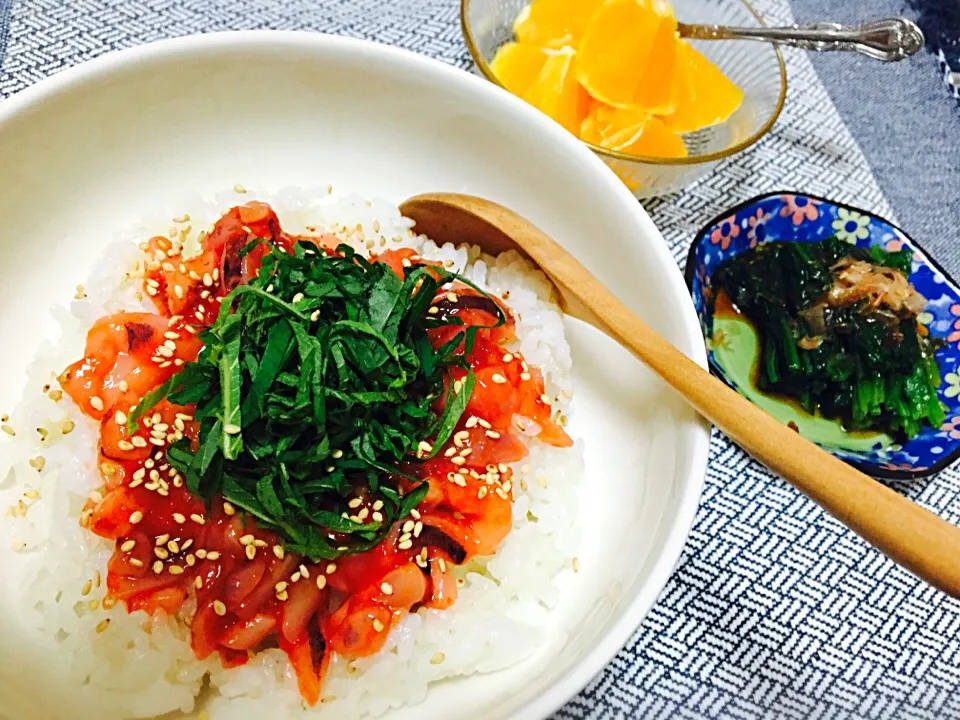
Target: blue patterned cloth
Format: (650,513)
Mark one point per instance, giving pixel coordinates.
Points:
(775,609)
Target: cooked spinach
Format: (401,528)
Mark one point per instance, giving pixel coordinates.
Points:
(869,365)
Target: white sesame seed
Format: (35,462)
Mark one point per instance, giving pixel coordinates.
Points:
(128,545)
(231,429)
(405,545)
(198,519)
(178,517)
(158,567)
(386,588)
(472,421)
(377,625)
(251,552)
(321,582)
(437,658)
(136,563)
(331,568)
(135,517)
(198,582)
(278,551)
(137,441)
(213,555)
(219,608)
(498,378)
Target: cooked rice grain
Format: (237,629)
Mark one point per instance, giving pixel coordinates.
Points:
(135,666)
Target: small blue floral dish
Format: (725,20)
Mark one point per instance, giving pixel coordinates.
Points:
(733,344)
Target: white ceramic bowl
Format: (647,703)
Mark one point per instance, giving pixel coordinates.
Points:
(88,151)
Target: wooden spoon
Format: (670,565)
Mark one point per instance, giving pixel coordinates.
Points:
(909,534)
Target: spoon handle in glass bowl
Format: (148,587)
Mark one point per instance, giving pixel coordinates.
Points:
(888,40)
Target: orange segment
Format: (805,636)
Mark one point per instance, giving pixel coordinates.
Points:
(656,91)
(554,23)
(656,140)
(612,127)
(631,131)
(556,91)
(616,48)
(706,96)
(517,66)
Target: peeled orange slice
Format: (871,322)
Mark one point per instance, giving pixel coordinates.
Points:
(554,23)
(656,140)
(705,95)
(630,131)
(556,91)
(516,66)
(617,46)
(657,91)
(612,127)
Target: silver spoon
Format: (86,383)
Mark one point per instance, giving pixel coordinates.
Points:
(887,40)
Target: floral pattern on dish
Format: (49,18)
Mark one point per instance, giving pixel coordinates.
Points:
(796,217)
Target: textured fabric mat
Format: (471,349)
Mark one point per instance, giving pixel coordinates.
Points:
(775,609)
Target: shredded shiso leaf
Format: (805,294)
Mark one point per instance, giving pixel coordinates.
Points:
(318,378)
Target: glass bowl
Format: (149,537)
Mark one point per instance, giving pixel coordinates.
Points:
(757,67)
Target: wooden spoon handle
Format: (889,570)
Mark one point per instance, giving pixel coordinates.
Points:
(911,535)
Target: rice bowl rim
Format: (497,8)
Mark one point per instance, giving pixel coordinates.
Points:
(634,609)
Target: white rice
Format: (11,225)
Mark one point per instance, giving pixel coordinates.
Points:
(144,667)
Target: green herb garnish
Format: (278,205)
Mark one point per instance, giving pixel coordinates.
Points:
(851,357)
(318,379)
